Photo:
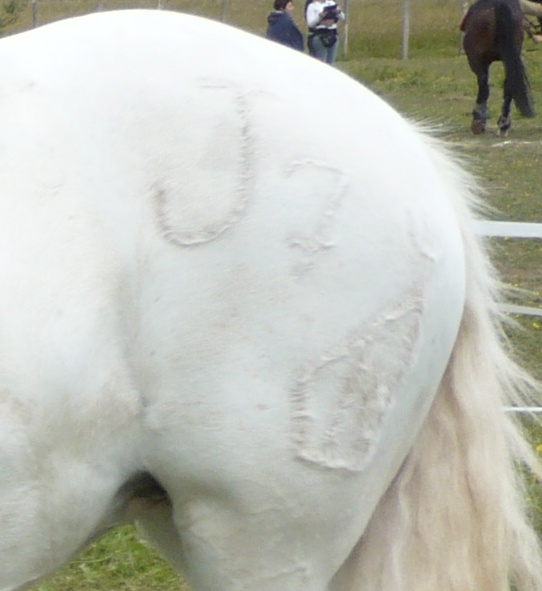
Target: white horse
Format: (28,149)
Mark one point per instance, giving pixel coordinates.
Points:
(242,304)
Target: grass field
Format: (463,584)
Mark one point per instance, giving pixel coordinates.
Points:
(435,87)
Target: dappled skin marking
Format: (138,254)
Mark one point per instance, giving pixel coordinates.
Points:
(323,187)
(215,173)
(340,402)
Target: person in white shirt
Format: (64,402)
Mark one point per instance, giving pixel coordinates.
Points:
(322,17)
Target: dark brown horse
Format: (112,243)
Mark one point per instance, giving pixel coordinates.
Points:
(494,31)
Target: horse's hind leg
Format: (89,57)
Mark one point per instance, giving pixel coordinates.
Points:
(505,122)
(480,112)
(158,527)
(236,560)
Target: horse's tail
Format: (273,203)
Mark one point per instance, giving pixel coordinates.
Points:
(456,516)
(516,83)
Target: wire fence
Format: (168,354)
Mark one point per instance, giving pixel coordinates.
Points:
(33,13)
(370,23)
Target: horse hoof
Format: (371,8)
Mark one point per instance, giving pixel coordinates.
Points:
(478,127)
(504,125)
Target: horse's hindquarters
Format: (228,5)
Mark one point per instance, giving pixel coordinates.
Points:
(297,389)
(288,374)
(265,315)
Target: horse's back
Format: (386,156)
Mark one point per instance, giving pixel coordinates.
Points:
(232,262)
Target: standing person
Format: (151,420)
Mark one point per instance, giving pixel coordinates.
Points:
(281,26)
(322,17)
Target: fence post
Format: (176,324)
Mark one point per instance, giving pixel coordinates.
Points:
(345,29)
(406,28)
(35,14)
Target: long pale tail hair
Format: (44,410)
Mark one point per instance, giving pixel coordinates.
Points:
(456,517)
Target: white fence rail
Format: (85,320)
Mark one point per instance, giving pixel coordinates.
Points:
(509,229)
(514,230)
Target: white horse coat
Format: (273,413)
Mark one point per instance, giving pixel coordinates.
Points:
(231,280)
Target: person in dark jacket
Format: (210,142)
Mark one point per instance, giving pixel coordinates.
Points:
(281,26)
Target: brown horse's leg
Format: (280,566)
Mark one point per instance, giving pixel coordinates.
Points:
(505,122)
(480,113)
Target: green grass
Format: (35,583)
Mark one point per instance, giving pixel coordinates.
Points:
(119,561)
(434,86)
